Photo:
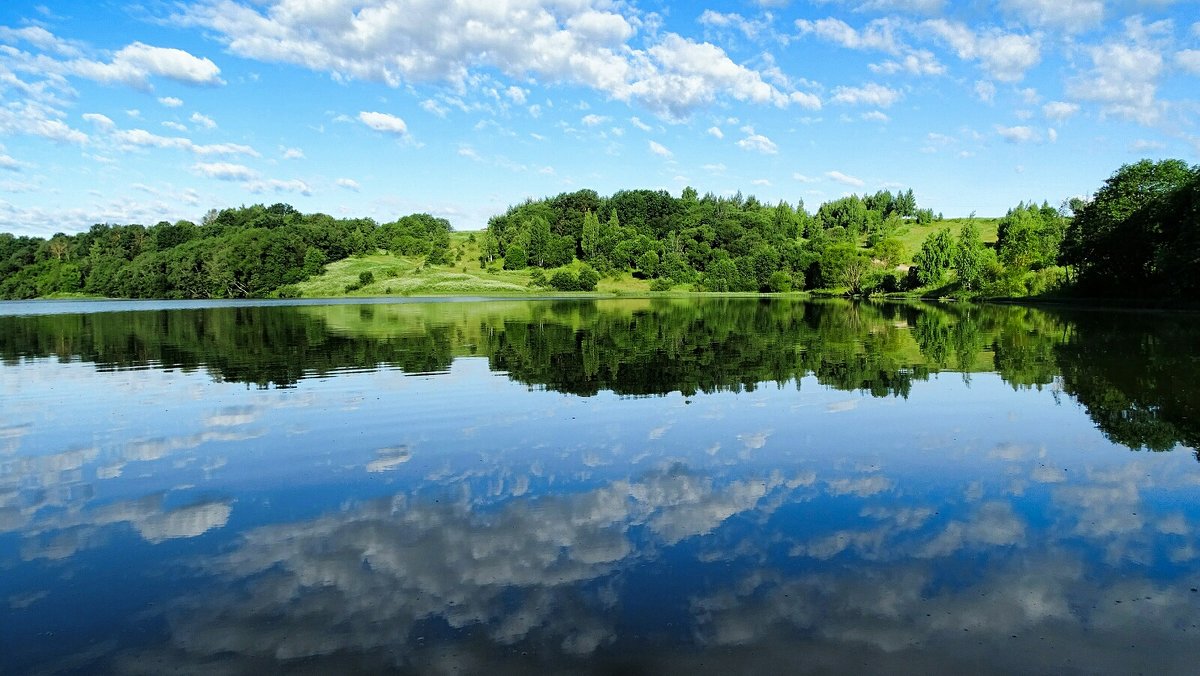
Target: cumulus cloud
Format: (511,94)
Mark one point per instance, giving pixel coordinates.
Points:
(224,171)
(135,64)
(845,179)
(203,121)
(1019,134)
(1072,16)
(759,144)
(277,185)
(880,34)
(1123,80)
(384,122)
(573,44)
(659,149)
(347,183)
(143,138)
(1060,110)
(1005,56)
(715,132)
(170,101)
(1189,60)
(872,94)
(593,120)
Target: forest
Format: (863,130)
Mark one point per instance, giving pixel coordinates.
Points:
(1137,236)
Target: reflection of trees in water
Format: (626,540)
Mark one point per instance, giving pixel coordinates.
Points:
(1137,374)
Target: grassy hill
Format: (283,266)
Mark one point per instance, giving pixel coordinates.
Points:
(408,276)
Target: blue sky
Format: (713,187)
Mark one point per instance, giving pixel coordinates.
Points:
(115,111)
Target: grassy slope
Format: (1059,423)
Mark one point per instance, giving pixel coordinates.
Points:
(404,276)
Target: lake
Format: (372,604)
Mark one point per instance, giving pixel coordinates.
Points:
(648,486)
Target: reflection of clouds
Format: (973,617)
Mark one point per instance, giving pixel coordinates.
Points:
(233,416)
(1013,615)
(62,535)
(1048,475)
(860,487)
(753,441)
(993,525)
(387,459)
(362,580)
(11,435)
(842,406)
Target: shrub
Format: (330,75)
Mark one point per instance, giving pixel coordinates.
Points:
(365,278)
(564,281)
(538,278)
(779,282)
(588,278)
(661,284)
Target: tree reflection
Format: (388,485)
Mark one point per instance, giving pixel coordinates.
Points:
(1137,375)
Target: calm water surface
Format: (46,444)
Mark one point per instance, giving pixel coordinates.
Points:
(629,486)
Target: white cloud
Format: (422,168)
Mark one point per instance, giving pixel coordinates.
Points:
(1072,16)
(145,139)
(516,95)
(715,168)
(753,30)
(1060,110)
(762,182)
(203,121)
(1005,56)
(224,171)
(384,122)
(659,149)
(802,178)
(1019,134)
(1189,60)
(136,63)
(102,122)
(1143,145)
(758,143)
(170,101)
(292,153)
(639,124)
(985,90)
(917,62)
(593,120)
(294,185)
(875,116)
(347,183)
(36,120)
(877,35)
(7,162)
(872,94)
(570,43)
(715,132)
(170,124)
(1123,80)
(434,108)
(39,37)
(845,179)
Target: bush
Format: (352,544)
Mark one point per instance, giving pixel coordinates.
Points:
(538,278)
(588,278)
(661,284)
(365,278)
(564,281)
(779,282)
(353,287)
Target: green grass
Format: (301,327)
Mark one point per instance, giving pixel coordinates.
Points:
(912,235)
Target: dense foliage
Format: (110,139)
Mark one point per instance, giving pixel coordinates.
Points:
(708,242)
(1139,235)
(235,253)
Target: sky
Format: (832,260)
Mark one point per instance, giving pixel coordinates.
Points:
(138,112)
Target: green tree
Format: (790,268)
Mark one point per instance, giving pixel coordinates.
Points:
(935,257)
(969,256)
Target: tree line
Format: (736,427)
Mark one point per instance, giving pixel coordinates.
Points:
(1138,235)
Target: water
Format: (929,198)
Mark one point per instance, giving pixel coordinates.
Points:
(627,486)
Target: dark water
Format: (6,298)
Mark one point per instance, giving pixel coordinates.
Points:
(720,486)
